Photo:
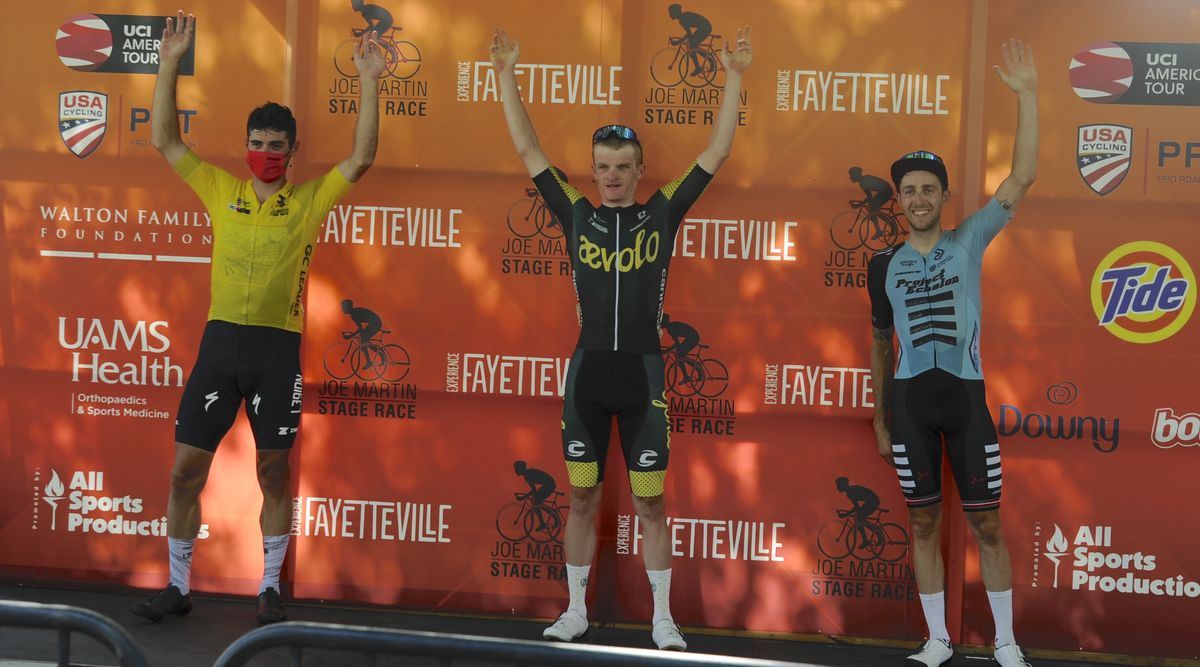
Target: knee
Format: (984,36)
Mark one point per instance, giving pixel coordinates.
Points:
(650,510)
(274,475)
(986,528)
(585,501)
(187,480)
(926,523)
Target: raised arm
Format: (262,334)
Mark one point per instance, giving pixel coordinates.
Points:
(164,119)
(368,58)
(720,142)
(504,52)
(1020,74)
(883,369)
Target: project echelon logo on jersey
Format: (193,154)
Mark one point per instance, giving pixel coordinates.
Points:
(1104,154)
(82,120)
(87,505)
(1103,432)
(1137,73)
(403,92)
(530,528)
(115,43)
(366,371)
(1143,292)
(688,75)
(1095,560)
(1170,429)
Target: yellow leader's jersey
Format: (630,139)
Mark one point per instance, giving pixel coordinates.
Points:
(262,253)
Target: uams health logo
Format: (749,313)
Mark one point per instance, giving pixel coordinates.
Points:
(1103,155)
(1143,292)
(367,371)
(1137,73)
(1103,432)
(689,76)
(696,382)
(1170,429)
(115,43)
(535,246)
(1093,561)
(401,91)
(82,120)
(119,352)
(87,506)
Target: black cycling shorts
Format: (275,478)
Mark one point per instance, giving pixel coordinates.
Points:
(604,383)
(235,362)
(936,404)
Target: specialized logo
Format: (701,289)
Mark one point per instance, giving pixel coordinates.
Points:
(1137,73)
(1170,429)
(530,529)
(1143,292)
(212,398)
(1103,155)
(119,43)
(257,400)
(82,120)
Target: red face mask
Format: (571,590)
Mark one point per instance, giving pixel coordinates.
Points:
(266,167)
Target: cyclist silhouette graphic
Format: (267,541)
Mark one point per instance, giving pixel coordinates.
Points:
(865,503)
(367,322)
(696,29)
(878,192)
(378,19)
(684,339)
(541,487)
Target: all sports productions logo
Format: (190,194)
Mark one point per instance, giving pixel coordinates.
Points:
(82,120)
(1103,432)
(117,43)
(1104,154)
(1094,561)
(696,383)
(688,75)
(862,554)
(86,505)
(366,371)
(1143,292)
(870,224)
(530,528)
(535,245)
(1137,73)
(1171,430)
(402,91)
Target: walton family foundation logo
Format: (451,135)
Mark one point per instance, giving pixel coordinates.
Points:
(366,371)
(1095,561)
(688,75)
(89,507)
(535,245)
(870,224)
(1103,155)
(1103,432)
(115,43)
(1143,292)
(401,91)
(531,528)
(863,555)
(696,383)
(82,120)
(1137,73)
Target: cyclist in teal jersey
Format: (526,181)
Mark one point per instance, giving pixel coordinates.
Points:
(926,293)
(620,252)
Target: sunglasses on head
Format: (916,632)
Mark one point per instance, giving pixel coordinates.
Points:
(610,131)
(922,155)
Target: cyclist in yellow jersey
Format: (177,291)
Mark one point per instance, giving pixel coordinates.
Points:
(264,235)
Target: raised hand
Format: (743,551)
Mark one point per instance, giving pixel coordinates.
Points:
(176,38)
(1019,73)
(739,58)
(368,56)
(504,51)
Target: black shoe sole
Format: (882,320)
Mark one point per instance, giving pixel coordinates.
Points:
(157,617)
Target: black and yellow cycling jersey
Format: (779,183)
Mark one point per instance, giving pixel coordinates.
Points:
(620,256)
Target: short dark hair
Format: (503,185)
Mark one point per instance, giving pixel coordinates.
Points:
(272,116)
(617,143)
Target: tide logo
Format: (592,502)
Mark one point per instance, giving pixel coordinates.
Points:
(1143,292)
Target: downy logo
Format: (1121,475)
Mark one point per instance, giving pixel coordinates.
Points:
(1104,433)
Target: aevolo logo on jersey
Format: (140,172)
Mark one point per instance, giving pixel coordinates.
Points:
(1143,292)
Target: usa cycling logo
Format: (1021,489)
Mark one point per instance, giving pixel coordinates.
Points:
(1103,155)
(1143,292)
(82,120)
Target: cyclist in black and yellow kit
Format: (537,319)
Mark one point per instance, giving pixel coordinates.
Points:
(619,252)
(264,232)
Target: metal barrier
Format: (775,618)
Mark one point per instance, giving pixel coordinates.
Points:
(376,641)
(65,620)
